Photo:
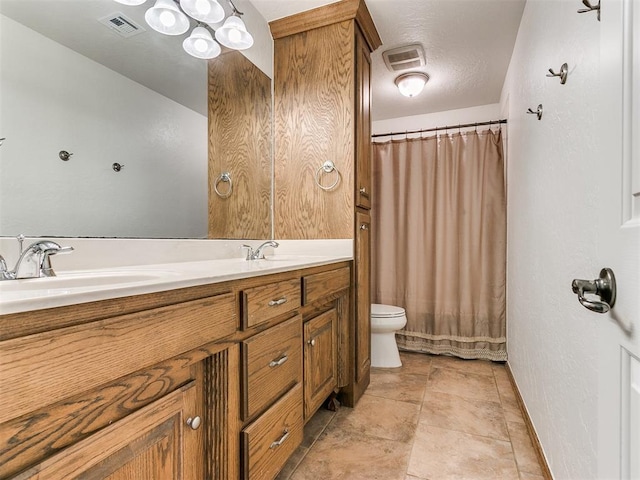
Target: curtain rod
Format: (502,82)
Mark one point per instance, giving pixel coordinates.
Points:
(435,129)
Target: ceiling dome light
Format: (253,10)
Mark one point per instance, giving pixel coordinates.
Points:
(411,84)
(133,3)
(206,11)
(233,34)
(165,17)
(201,44)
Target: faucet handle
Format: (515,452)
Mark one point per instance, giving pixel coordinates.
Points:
(249,251)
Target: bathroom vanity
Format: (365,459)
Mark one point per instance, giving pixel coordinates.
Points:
(210,380)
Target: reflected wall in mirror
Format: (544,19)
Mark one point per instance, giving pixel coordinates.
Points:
(69,83)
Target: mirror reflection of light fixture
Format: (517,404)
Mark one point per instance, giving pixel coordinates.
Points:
(201,44)
(207,11)
(173,17)
(411,84)
(233,34)
(165,17)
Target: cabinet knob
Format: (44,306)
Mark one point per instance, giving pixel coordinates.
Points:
(364,226)
(194,422)
(363,192)
(312,342)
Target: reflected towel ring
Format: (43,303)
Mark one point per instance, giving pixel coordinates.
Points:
(226,178)
(327,167)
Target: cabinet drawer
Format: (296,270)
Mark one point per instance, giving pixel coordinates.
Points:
(272,438)
(265,302)
(272,364)
(320,285)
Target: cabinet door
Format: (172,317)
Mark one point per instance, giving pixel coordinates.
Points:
(152,443)
(363,123)
(320,360)
(363,300)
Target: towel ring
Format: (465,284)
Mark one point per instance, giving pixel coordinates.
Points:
(327,167)
(224,177)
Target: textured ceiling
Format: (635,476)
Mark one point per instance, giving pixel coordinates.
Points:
(468,45)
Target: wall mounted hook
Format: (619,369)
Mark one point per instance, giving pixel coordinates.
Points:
(564,70)
(117,167)
(537,112)
(590,8)
(64,155)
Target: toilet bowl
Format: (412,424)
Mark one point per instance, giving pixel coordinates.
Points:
(385,321)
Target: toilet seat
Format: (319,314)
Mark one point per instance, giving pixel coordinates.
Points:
(386,311)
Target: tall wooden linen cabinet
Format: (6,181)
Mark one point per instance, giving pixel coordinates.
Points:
(322,98)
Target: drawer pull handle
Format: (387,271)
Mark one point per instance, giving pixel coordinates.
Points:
(280,301)
(280,361)
(312,342)
(281,440)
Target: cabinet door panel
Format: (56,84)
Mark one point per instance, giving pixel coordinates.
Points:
(320,360)
(363,122)
(148,444)
(363,298)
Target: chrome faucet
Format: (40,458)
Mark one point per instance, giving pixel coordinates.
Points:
(34,261)
(258,253)
(4,272)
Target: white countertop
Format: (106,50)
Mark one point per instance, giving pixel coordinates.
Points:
(82,286)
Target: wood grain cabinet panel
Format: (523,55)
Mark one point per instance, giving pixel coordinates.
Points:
(272,364)
(321,285)
(69,360)
(363,301)
(320,360)
(262,303)
(273,437)
(152,443)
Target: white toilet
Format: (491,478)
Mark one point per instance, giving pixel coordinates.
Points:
(385,321)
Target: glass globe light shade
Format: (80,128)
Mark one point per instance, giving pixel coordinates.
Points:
(205,11)
(233,34)
(411,84)
(201,44)
(165,17)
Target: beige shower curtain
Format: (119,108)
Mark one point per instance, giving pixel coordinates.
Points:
(439,241)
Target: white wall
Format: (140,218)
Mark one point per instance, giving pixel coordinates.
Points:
(54,99)
(552,344)
(482,113)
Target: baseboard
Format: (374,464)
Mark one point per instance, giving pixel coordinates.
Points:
(546,471)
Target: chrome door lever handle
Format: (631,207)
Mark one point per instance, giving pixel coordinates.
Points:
(604,287)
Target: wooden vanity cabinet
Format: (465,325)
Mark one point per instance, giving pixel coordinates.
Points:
(112,395)
(320,360)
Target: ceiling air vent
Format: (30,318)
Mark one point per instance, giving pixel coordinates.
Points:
(404,58)
(122,25)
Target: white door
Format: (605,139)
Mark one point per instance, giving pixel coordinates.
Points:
(619,242)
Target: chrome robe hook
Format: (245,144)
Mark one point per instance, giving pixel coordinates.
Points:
(537,112)
(590,8)
(564,70)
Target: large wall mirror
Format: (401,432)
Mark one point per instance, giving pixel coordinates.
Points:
(147,128)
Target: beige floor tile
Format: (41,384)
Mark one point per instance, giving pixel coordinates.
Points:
(415,363)
(315,426)
(379,417)
(500,371)
(511,408)
(526,456)
(464,384)
(528,476)
(442,454)
(480,367)
(341,454)
(411,477)
(464,415)
(397,386)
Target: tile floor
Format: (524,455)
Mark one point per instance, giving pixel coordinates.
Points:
(435,418)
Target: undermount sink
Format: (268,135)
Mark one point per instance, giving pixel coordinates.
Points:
(67,280)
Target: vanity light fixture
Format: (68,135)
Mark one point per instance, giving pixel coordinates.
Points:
(173,17)
(233,34)
(201,44)
(411,84)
